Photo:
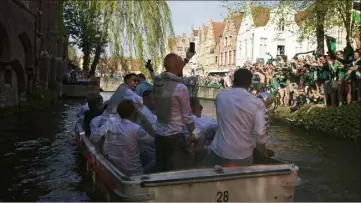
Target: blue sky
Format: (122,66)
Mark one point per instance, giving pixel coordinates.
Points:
(196,13)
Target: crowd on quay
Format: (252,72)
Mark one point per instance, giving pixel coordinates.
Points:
(319,79)
(216,81)
(145,128)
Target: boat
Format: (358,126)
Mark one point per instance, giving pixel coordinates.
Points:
(275,181)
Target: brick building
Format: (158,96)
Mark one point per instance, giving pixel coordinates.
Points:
(33,51)
(209,47)
(228,43)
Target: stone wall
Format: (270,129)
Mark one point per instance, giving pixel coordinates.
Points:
(209,93)
(29,45)
(8,88)
(79,90)
(111,84)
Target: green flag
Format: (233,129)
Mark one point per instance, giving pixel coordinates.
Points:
(356,16)
(331,46)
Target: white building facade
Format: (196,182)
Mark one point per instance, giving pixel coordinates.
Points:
(275,38)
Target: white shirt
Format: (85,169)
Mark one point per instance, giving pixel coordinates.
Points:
(180,113)
(148,114)
(117,98)
(110,123)
(125,143)
(241,124)
(207,126)
(96,123)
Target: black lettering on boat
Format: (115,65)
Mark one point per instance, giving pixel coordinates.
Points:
(222,196)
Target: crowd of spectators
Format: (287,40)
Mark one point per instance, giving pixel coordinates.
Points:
(320,79)
(75,76)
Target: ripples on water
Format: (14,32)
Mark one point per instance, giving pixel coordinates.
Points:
(40,160)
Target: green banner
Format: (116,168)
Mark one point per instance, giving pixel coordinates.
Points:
(356,16)
(331,46)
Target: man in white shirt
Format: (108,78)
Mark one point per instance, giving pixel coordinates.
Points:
(206,124)
(125,91)
(173,112)
(127,144)
(241,124)
(206,128)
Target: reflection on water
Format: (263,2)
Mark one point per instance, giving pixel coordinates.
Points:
(40,161)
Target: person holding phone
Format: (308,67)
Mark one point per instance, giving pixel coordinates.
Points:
(172,108)
(144,85)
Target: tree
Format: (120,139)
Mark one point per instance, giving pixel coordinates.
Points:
(71,53)
(317,16)
(129,28)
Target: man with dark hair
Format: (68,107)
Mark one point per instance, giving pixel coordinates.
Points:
(143,85)
(125,91)
(127,144)
(241,124)
(95,125)
(207,128)
(147,120)
(95,103)
(173,112)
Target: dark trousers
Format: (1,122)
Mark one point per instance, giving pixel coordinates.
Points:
(171,153)
(213,159)
(356,90)
(341,91)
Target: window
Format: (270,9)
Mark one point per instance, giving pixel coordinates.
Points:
(262,47)
(8,77)
(281,25)
(234,57)
(225,58)
(179,49)
(230,40)
(280,49)
(339,35)
(216,59)
(225,42)
(298,47)
(229,57)
(212,59)
(246,49)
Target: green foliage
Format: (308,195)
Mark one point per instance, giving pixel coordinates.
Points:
(71,53)
(321,16)
(342,122)
(138,29)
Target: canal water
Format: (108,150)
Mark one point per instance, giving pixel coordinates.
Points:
(40,161)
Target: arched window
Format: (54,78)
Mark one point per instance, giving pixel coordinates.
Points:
(8,77)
